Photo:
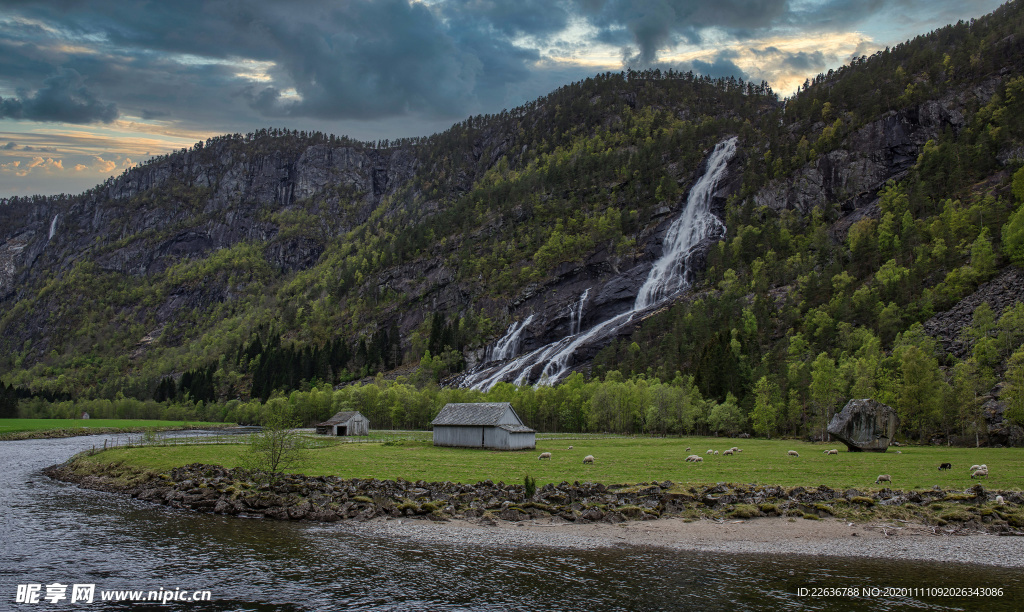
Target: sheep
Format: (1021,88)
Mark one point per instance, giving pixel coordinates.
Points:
(716,452)
(545,456)
(832,451)
(793,453)
(899,452)
(698,459)
(974,467)
(588,459)
(687,449)
(979,473)
(695,458)
(710,452)
(1000,500)
(734,449)
(727,452)
(570,447)
(739,450)
(885,477)
(945,466)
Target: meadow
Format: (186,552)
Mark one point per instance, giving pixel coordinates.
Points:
(623,461)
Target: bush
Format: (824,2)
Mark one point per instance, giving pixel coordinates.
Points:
(531,486)
(745,511)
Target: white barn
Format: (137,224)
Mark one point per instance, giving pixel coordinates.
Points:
(484,425)
(345,423)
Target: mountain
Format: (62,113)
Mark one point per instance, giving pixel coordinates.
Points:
(835,245)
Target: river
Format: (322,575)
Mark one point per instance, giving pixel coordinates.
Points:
(53,532)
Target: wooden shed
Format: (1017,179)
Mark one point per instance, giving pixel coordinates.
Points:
(484,425)
(345,423)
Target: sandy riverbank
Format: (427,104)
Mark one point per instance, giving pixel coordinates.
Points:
(780,535)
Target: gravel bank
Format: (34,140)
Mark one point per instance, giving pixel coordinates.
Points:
(830,537)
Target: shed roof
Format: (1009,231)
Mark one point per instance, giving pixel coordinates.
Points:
(342,417)
(517,429)
(482,413)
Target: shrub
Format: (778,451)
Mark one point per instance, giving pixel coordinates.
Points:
(745,511)
(531,486)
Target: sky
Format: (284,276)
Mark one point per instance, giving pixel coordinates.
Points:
(89,88)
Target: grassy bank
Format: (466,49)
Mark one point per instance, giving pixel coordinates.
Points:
(625,460)
(20,429)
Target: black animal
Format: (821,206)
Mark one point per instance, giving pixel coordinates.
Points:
(946,466)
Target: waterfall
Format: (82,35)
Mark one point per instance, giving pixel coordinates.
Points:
(508,346)
(53,227)
(670,275)
(576,314)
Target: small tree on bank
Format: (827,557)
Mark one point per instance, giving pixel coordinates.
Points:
(277,446)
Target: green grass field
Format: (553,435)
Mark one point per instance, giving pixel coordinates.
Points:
(19,425)
(626,460)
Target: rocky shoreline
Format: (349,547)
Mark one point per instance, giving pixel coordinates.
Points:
(214,489)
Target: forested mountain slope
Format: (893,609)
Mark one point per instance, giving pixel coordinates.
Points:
(856,214)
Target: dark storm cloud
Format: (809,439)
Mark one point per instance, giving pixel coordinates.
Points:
(10,145)
(355,59)
(835,12)
(62,97)
(721,65)
(652,24)
(800,61)
(524,17)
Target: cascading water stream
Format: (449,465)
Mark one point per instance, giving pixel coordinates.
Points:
(508,346)
(53,227)
(576,314)
(670,275)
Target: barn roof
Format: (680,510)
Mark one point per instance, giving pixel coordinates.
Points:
(342,417)
(517,429)
(475,414)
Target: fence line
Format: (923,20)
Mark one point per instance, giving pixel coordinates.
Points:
(313,440)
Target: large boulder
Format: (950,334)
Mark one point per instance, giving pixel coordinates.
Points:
(865,425)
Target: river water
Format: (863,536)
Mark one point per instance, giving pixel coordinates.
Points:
(52,532)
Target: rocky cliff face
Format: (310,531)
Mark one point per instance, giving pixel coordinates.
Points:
(1000,293)
(882,150)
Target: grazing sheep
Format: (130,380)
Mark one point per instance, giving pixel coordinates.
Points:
(979,473)
(710,452)
(545,456)
(687,449)
(974,467)
(945,466)
(1000,500)
(899,452)
(716,452)
(727,452)
(588,459)
(570,447)
(832,451)
(734,449)
(695,458)
(885,477)
(983,467)
(793,454)
(739,450)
